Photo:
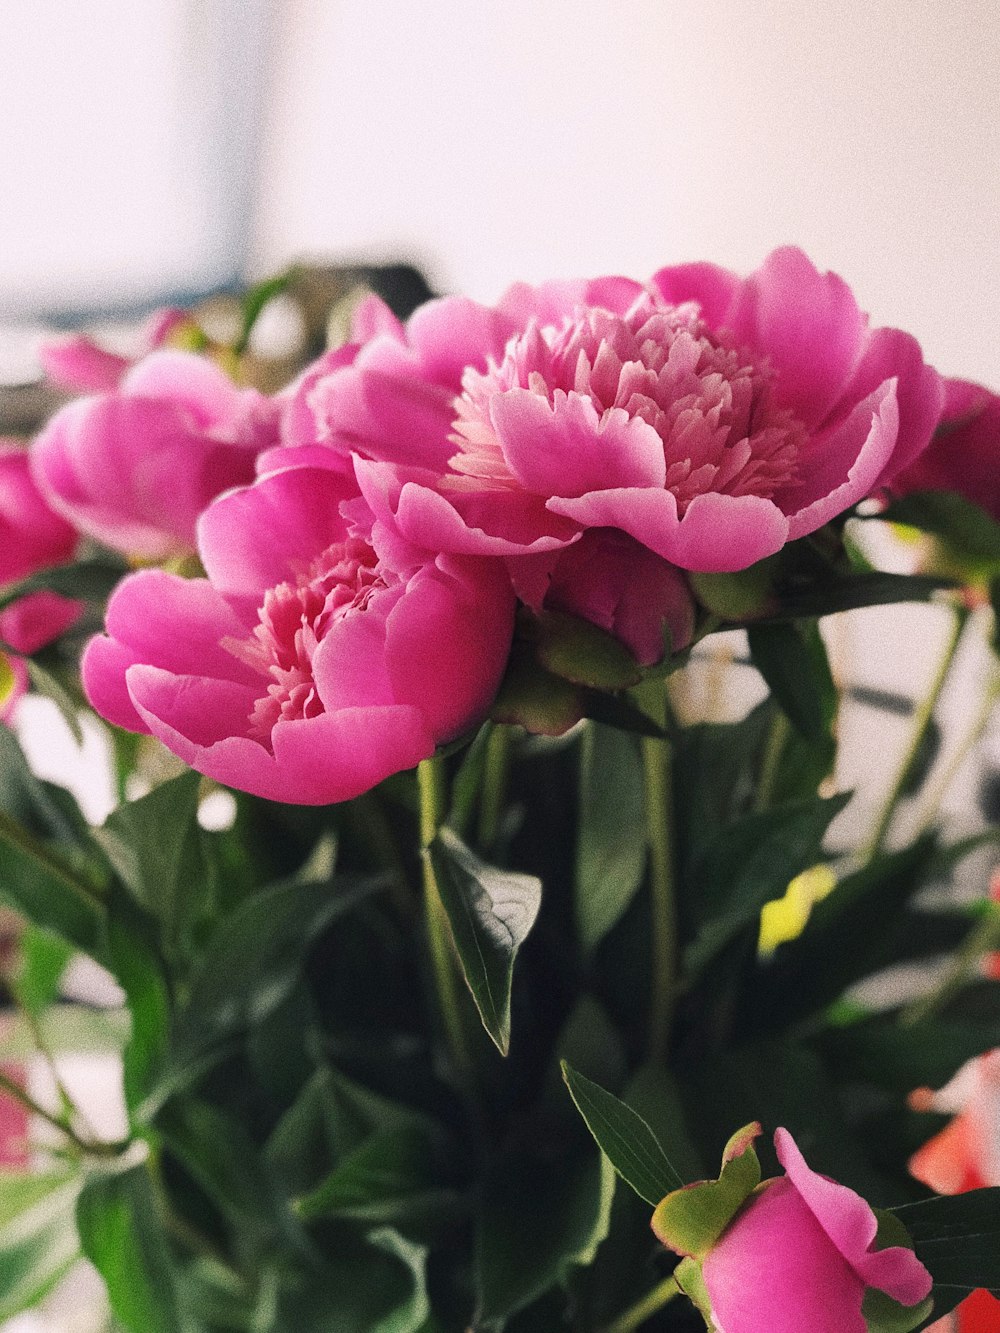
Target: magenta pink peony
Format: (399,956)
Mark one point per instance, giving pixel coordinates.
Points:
(964,455)
(322,652)
(32,537)
(710,418)
(800,1255)
(134,467)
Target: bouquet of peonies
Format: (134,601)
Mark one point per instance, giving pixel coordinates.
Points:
(510,931)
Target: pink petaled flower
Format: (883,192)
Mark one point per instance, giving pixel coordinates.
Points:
(77,362)
(711,418)
(799,1256)
(32,537)
(136,466)
(964,455)
(321,653)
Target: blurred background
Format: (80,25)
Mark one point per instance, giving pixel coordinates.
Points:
(154,151)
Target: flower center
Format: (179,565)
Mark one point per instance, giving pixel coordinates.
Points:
(709,403)
(294,619)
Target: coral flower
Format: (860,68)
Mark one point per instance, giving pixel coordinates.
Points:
(709,417)
(319,655)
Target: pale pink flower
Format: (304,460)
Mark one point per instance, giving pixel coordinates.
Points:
(136,466)
(81,364)
(320,655)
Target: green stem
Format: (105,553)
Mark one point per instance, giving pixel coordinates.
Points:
(659,831)
(983,939)
(662,1294)
(495,770)
(430,779)
(775,744)
(91,1148)
(932,805)
(17,836)
(921,724)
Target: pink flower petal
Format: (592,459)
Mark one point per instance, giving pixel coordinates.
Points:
(841,466)
(717,533)
(565,448)
(714,289)
(316,761)
(851,1225)
(255,538)
(807,324)
(74,361)
(774,1271)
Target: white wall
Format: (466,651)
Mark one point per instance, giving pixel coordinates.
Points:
(498,139)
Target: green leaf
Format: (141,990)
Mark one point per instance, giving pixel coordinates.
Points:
(540,1217)
(219,1153)
(689,1221)
(45,683)
(138,968)
(40,886)
(795,668)
(624,1138)
(254,302)
(122,1236)
(38,1241)
(392,1177)
(249,966)
(158,849)
(853,591)
(583,653)
(43,960)
(378,1285)
(749,864)
(957,1237)
(849,935)
(490,912)
(968,531)
(611,837)
(91,580)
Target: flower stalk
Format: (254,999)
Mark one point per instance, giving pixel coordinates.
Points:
(921,725)
(636,1315)
(430,779)
(656,756)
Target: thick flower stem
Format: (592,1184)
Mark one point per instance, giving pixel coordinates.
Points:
(636,1315)
(495,770)
(921,724)
(659,831)
(430,778)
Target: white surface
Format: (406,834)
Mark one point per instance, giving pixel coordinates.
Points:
(511,139)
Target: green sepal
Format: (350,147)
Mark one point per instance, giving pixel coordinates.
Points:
(881,1313)
(689,1221)
(691,1280)
(535,699)
(583,653)
(746,594)
(884,1315)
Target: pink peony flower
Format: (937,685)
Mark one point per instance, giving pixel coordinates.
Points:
(964,455)
(136,466)
(77,362)
(798,1254)
(320,654)
(31,538)
(711,418)
(609,579)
